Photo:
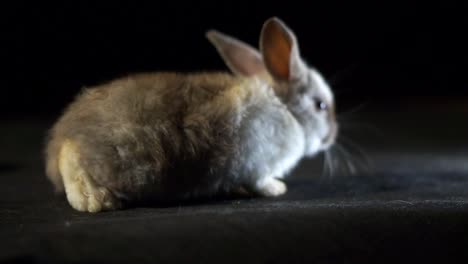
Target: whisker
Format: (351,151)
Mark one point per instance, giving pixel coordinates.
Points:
(353,110)
(348,160)
(324,164)
(347,157)
(360,151)
(362,126)
(336,161)
(330,165)
(343,160)
(351,161)
(342,165)
(327,162)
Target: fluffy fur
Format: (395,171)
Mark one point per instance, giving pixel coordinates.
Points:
(168,136)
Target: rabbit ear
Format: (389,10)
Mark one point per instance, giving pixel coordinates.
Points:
(280,51)
(241,58)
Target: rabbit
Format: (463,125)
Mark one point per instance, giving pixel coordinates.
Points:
(178,136)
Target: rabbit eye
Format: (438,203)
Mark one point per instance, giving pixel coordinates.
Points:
(320,105)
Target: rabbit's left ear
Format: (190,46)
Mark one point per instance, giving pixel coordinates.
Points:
(280,51)
(241,58)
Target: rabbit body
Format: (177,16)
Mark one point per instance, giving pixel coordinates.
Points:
(170,136)
(173,136)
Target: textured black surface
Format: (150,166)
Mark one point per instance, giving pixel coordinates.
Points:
(412,205)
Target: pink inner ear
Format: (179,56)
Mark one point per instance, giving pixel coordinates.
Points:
(244,62)
(276,47)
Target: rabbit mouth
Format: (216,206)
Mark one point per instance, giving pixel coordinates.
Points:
(327,144)
(330,138)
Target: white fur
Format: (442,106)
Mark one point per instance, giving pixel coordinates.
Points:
(269,186)
(323,89)
(272,142)
(275,134)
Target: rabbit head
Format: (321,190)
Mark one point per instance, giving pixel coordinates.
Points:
(301,88)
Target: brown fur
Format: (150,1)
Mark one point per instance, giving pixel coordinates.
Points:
(133,130)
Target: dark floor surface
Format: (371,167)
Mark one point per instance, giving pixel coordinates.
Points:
(407,202)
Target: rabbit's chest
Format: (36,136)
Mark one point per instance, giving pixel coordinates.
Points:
(272,143)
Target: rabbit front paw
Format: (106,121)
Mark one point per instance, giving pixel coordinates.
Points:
(270,187)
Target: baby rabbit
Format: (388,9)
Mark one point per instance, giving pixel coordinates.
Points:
(170,136)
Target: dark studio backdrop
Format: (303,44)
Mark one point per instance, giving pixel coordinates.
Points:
(378,51)
(405,60)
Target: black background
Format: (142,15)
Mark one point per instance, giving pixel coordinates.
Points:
(382,50)
(411,201)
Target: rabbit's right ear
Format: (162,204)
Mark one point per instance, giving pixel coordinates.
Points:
(241,58)
(280,51)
